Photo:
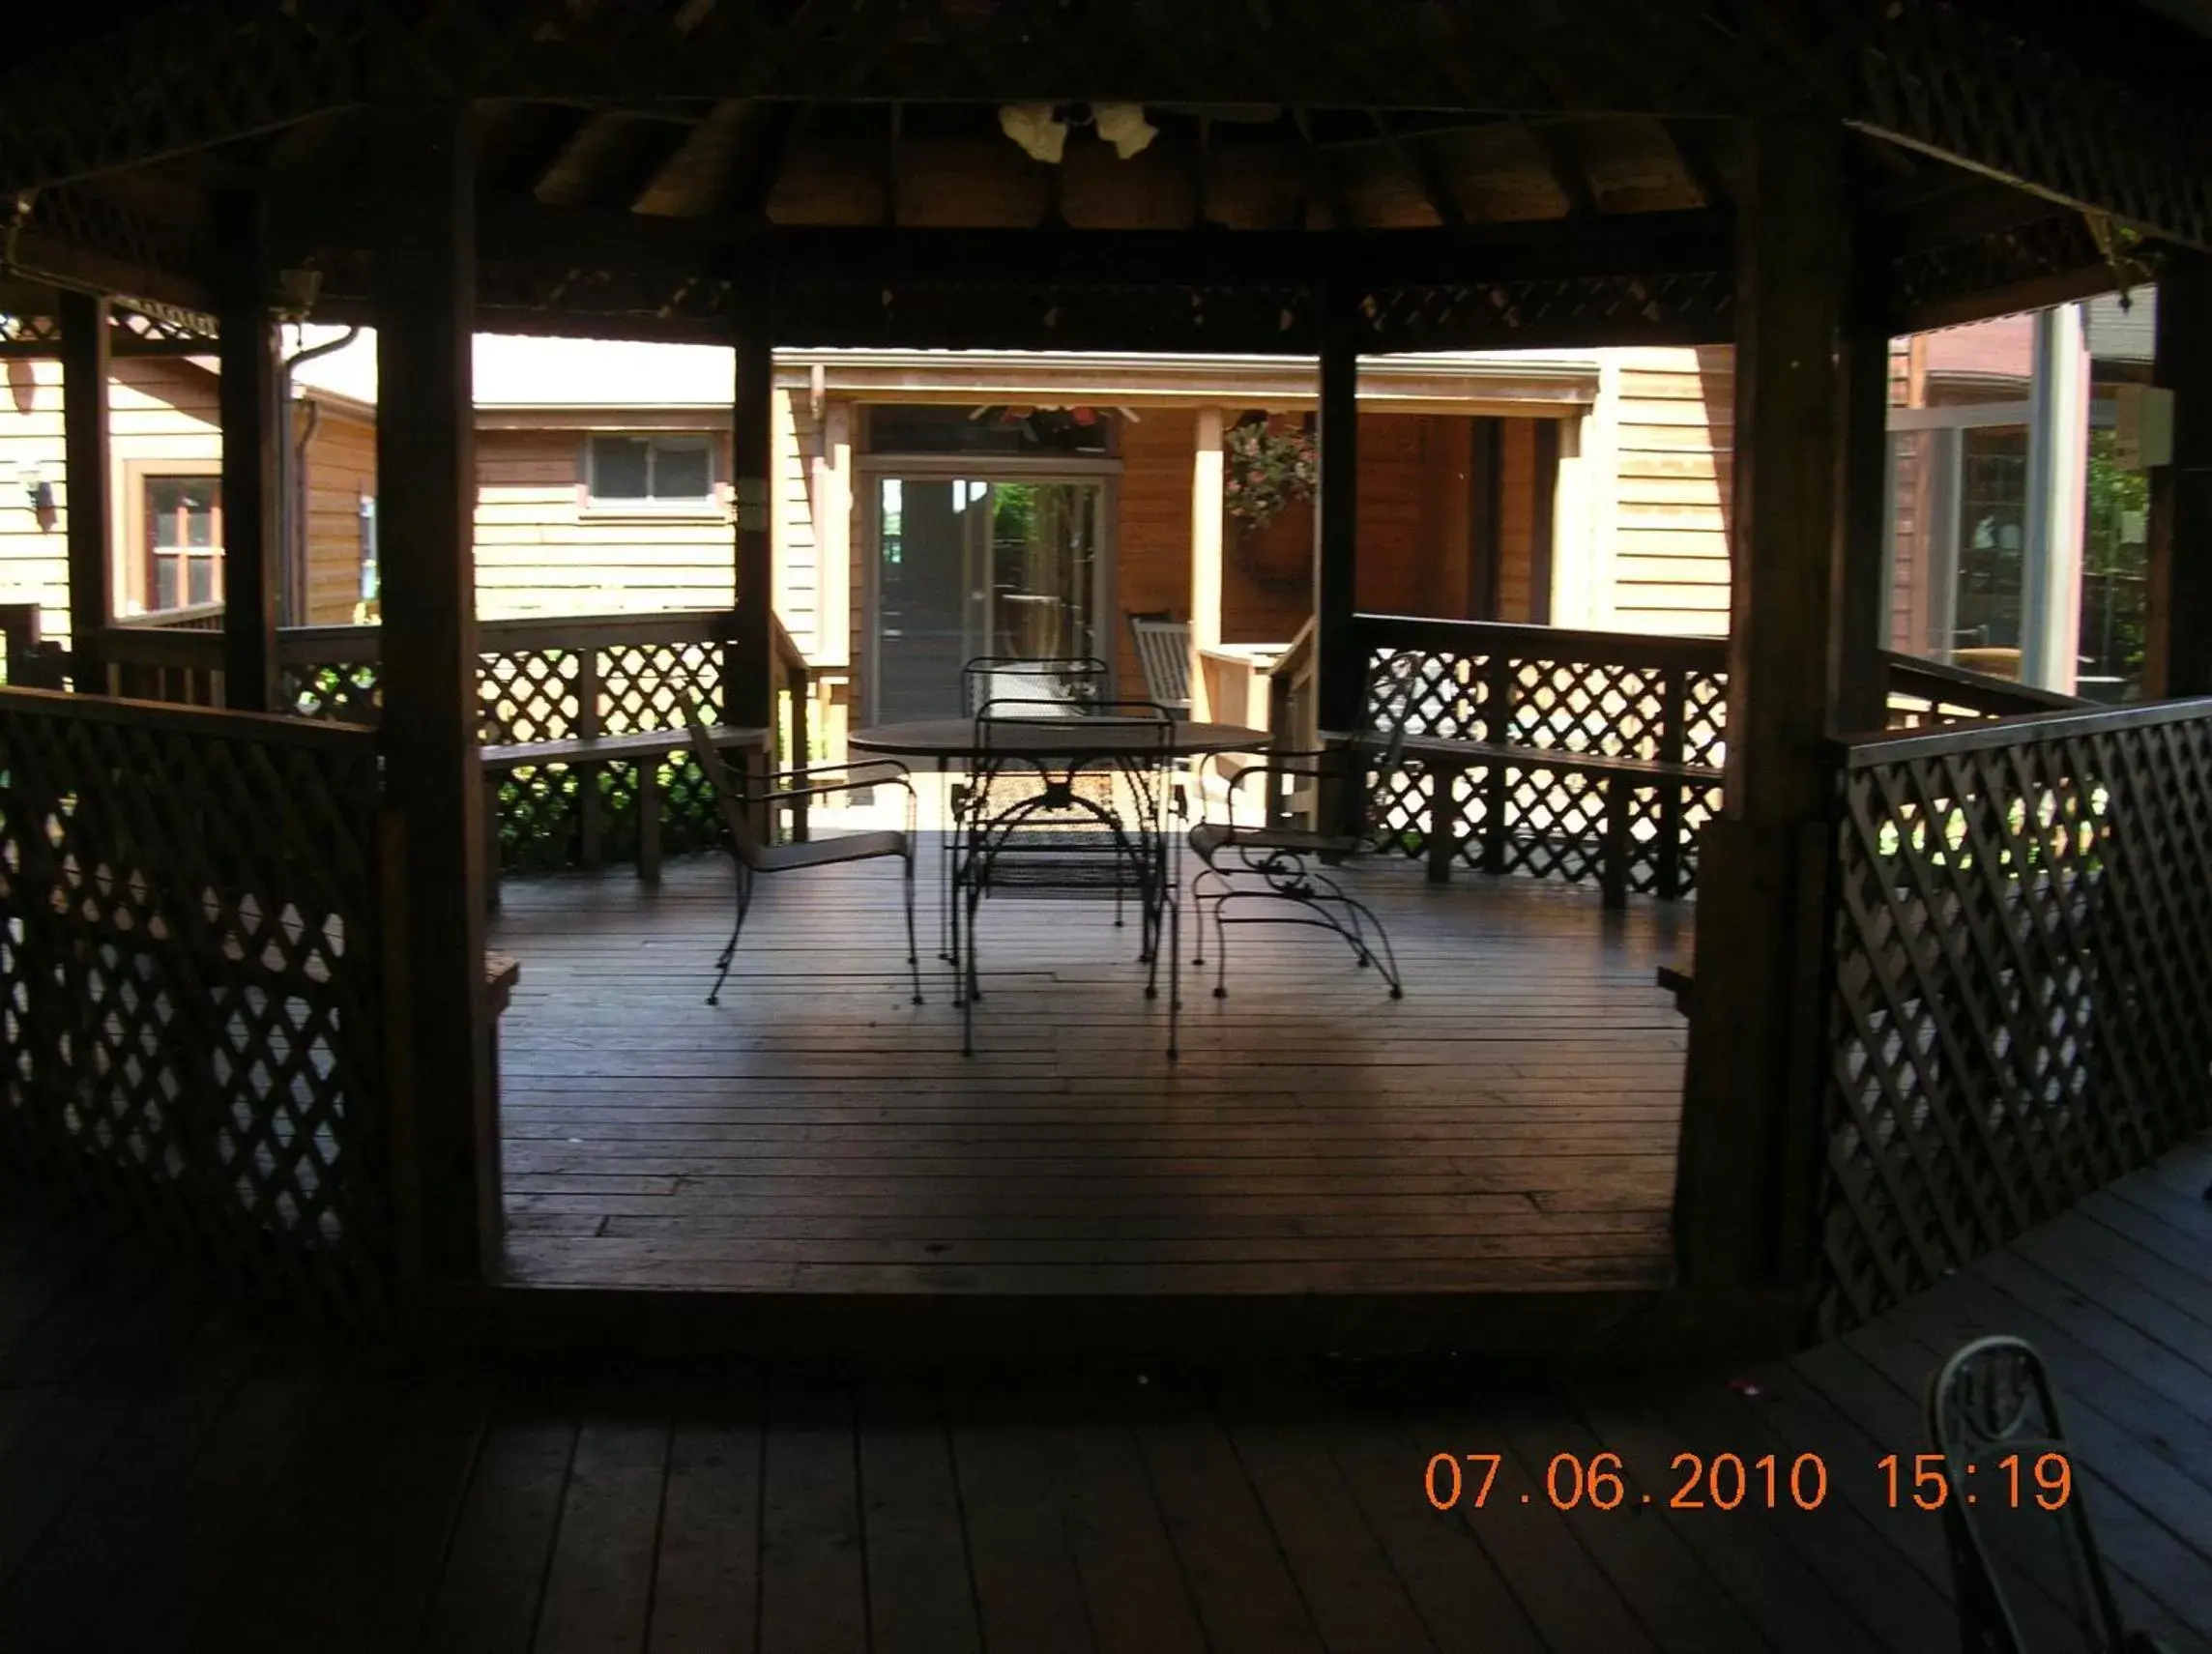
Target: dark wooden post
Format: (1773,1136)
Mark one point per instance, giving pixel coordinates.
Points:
(252,462)
(425,455)
(2179,597)
(1340,672)
(1862,590)
(1752,1097)
(85,459)
(748,689)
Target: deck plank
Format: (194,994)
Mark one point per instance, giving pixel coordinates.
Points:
(1509,1125)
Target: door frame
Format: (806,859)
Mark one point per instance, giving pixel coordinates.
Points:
(869,470)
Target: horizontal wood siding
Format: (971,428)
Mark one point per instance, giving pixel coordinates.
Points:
(341,472)
(540,551)
(1152,568)
(158,411)
(1676,452)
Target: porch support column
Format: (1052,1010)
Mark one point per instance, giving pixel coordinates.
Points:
(2057,480)
(1751,1093)
(1862,594)
(425,457)
(252,462)
(1339,672)
(2180,597)
(1205,527)
(86,472)
(749,694)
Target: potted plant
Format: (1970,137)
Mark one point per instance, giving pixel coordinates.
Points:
(1268,475)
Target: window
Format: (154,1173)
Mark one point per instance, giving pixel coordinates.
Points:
(184,541)
(651,471)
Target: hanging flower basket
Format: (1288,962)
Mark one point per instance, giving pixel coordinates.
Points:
(1269,477)
(1265,470)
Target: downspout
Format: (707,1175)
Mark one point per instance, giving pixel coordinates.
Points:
(294,492)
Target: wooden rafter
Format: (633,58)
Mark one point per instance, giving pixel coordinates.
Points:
(894,130)
(1322,182)
(1414,156)
(1690,152)
(1564,167)
(750,187)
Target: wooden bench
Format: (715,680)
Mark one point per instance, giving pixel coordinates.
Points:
(1449,758)
(588,754)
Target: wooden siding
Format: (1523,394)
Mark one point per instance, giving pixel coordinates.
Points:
(540,550)
(342,471)
(160,414)
(1676,445)
(1153,571)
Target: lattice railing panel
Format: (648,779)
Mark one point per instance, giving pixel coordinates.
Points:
(191,982)
(1652,699)
(2022,1006)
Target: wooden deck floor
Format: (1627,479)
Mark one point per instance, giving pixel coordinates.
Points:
(173,1481)
(1509,1126)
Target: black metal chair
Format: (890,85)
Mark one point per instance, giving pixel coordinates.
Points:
(753,858)
(1033,827)
(1270,871)
(2025,1563)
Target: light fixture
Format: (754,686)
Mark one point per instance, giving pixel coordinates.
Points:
(38,492)
(1124,127)
(1037,129)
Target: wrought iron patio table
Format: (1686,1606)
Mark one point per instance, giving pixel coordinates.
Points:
(1056,740)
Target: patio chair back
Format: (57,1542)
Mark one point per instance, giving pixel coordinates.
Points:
(1059,686)
(729,796)
(2024,1562)
(1163,653)
(1040,828)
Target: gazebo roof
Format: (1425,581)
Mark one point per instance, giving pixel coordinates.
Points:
(1491,175)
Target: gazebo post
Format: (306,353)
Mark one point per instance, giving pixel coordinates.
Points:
(86,470)
(2178,614)
(1339,672)
(1752,1095)
(445,1139)
(748,699)
(251,456)
(1862,623)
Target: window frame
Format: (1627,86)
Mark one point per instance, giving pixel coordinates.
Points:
(145,562)
(709,505)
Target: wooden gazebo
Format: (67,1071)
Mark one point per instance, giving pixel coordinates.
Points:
(1946,980)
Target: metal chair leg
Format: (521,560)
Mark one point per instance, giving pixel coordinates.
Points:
(730,947)
(913,954)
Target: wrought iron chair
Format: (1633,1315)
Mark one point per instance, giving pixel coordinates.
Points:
(2024,1562)
(753,858)
(1270,871)
(1163,651)
(1053,837)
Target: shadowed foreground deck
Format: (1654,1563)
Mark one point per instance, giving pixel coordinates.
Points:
(171,1480)
(1507,1127)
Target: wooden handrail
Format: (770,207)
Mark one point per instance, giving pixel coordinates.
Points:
(195,617)
(272,729)
(1513,637)
(1976,691)
(2064,723)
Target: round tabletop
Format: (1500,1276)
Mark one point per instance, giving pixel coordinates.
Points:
(1073,738)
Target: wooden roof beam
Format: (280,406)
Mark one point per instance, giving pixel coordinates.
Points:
(1322,182)
(1567,175)
(1690,149)
(1417,158)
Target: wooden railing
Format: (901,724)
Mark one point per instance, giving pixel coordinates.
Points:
(1926,692)
(2021,969)
(1621,694)
(543,678)
(192,982)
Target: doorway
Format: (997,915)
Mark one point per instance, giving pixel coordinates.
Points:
(966,567)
